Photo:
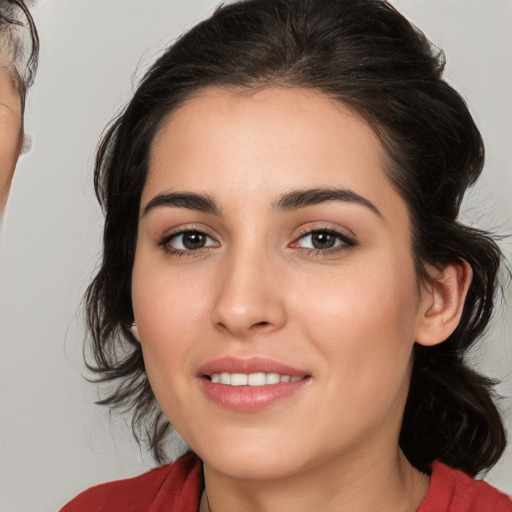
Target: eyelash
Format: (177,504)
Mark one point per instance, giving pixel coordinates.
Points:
(165,241)
(346,242)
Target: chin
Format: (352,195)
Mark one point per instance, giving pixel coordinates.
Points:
(257,454)
(254,466)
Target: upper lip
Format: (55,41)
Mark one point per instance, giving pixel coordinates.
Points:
(249,365)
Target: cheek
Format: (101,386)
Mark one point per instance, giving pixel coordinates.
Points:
(168,309)
(171,309)
(165,299)
(363,321)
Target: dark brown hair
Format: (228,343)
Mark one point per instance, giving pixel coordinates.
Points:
(368,56)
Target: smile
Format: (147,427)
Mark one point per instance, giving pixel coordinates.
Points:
(251,384)
(251,379)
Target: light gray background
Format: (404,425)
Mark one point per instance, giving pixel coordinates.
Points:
(54,441)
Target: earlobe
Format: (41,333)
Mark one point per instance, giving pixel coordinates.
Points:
(442,302)
(135,331)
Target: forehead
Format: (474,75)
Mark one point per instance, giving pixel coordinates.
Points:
(237,143)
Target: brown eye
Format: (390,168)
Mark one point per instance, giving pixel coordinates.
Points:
(193,240)
(323,240)
(189,241)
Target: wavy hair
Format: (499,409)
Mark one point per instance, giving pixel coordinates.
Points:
(368,56)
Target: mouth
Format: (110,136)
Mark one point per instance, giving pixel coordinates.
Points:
(249,385)
(251,379)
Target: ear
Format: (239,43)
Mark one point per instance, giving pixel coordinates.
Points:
(135,331)
(442,302)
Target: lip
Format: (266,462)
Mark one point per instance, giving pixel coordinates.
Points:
(249,398)
(249,365)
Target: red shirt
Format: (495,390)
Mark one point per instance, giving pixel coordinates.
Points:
(177,488)
(454,491)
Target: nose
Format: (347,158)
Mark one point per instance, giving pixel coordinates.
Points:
(249,299)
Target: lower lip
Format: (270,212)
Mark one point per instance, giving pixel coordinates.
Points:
(250,398)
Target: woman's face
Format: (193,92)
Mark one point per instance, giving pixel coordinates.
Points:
(274,288)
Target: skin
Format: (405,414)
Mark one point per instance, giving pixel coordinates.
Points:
(348,317)
(11,132)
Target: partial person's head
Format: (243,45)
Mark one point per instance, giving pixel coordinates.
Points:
(274,128)
(19,48)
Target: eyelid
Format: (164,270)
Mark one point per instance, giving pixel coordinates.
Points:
(184,228)
(348,240)
(324,226)
(182,234)
(164,240)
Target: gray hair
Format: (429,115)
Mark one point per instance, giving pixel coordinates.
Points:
(19,43)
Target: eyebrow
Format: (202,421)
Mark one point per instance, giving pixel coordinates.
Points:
(302,198)
(290,201)
(189,200)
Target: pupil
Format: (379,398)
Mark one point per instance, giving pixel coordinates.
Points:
(322,240)
(193,240)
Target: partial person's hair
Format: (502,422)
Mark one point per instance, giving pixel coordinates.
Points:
(19,44)
(366,55)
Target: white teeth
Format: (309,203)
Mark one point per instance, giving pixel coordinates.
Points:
(272,378)
(238,379)
(252,379)
(256,379)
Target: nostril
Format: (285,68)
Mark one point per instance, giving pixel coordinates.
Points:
(261,324)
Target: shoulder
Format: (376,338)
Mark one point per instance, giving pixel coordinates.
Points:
(453,491)
(175,487)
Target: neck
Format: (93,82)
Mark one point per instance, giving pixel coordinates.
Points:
(381,484)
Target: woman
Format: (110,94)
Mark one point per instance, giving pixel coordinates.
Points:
(284,279)
(19,50)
